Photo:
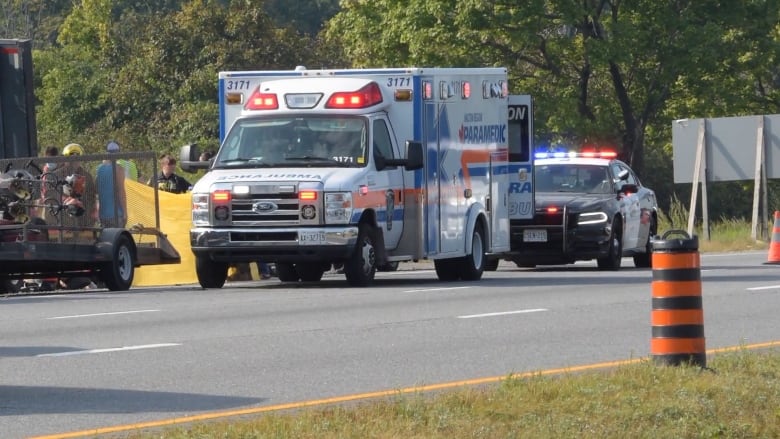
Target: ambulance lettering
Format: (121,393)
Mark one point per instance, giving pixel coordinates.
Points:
(476,134)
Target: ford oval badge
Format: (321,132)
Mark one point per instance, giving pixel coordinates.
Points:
(264,207)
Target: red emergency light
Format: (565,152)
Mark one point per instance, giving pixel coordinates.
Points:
(221,196)
(307,195)
(367,96)
(552,210)
(262,101)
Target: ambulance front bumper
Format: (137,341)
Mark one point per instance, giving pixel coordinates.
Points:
(274,244)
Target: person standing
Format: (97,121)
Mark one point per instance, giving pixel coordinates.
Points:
(78,201)
(131,169)
(112,199)
(167,180)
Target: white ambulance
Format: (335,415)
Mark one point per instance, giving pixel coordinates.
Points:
(360,167)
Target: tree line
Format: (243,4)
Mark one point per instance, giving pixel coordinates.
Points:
(602,72)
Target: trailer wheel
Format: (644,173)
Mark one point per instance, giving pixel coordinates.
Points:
(360,268)
(287,272)
(211,274)
(11,286)
(118,273)
(473,265)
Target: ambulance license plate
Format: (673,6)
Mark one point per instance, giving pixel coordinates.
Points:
(311,238)
(535,235)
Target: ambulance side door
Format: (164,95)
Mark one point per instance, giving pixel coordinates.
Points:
(390,179)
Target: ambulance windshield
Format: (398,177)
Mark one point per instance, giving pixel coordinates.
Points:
(294,141)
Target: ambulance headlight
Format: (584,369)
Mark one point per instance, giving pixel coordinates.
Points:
(338,207)
(200,209)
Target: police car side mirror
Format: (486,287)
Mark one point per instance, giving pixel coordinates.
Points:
(629,188)
(189,158)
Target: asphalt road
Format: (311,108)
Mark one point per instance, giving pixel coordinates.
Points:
(85,361)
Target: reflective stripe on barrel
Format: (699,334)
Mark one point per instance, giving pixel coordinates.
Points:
(677,317)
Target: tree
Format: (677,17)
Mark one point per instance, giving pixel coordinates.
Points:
(602,71)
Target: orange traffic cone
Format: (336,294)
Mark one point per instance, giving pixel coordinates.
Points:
(774,245)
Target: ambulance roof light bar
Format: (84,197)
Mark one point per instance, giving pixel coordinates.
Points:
(367,96)
(262,101)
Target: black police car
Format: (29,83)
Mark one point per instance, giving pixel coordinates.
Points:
(588,206)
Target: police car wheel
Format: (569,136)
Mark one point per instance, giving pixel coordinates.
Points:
(360,268)
(645,260)
(211,274)
(615,253)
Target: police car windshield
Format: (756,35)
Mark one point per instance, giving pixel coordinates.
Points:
(569,177)
(290,141)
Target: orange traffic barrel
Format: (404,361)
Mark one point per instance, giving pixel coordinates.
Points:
(774,245)
(677,317)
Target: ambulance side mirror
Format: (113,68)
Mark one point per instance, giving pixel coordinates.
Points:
(414,155)
(189,158)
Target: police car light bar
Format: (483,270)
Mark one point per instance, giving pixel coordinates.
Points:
(574,154)
(367,96)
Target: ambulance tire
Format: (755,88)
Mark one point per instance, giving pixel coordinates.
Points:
(211,274)
(287,272)
(360,268)
(447,269)
(491,264)
(310,271)
(118,273)
(472,266)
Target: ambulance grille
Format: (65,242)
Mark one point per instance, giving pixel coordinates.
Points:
(264,208)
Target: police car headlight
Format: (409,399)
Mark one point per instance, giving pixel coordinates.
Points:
(591,218)
(200,209)
(338,207)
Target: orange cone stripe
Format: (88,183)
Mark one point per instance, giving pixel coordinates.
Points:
(677,345)
(676,289)
(665,317)
(676,260)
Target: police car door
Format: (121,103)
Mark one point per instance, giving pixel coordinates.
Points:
(630,206)
(390,179)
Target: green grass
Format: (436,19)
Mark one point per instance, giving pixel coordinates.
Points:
(738,396)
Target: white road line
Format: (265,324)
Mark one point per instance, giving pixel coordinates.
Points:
(493,314)
(770,287)
(102,314)
(436,289)
(100,351)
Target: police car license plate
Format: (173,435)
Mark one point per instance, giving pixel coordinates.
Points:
(311,238)
(535,235)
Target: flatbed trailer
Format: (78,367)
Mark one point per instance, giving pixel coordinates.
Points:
(34,247)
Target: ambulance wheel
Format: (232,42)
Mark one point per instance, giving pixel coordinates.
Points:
(310,271)
(118,273)
(211,274)
(360,268)
(472,266)
(287,273)
(447,269)
(491,265)
(390,266)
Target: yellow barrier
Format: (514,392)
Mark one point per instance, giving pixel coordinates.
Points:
(175,221)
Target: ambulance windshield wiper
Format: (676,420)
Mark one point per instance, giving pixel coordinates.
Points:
(254,162)
(313,158)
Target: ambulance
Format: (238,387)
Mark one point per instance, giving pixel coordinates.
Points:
(360,168)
